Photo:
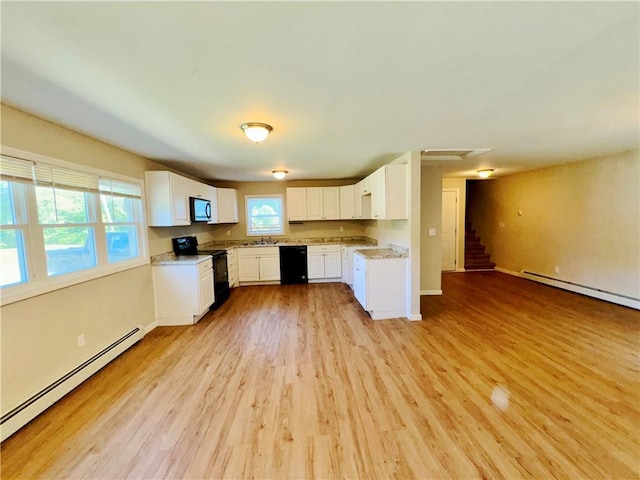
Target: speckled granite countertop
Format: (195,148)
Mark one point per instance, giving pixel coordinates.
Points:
(347,241)
(377,253)
(171,259)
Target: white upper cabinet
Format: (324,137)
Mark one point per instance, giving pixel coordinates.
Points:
(389,195)
(331,203)
(227,205)
(323,203)
(347,202)
(315,203)
(296,204)
(167,199)
(211,194)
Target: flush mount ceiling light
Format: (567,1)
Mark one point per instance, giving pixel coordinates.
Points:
(256,132)
(280,174)
(486,173)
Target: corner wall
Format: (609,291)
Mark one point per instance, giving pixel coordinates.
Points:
(39,334)
(582,217)
(431,217)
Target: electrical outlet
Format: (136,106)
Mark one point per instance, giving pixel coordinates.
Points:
(432,232)
(81,340)
(501,225)
(341,228)
(556,269)
(228,233)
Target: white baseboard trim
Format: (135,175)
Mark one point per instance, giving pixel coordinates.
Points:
(460,270)
(584,290)
(414,317)
(430,292)
(30,408)
(150,327)
(508,272)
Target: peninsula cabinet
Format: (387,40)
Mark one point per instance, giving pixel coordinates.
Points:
(183,291)
(258,265)
(227,205)
(379,285)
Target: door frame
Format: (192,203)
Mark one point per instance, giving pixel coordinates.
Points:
(457,230)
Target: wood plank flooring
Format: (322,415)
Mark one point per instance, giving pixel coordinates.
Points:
(297,382)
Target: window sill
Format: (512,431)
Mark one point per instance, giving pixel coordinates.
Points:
(17,293)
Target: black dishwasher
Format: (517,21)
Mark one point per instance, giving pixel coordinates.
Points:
(293,264)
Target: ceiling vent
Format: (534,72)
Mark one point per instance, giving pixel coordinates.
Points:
(448,154)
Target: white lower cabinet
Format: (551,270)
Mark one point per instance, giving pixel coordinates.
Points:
(379,285)
(259,264)
(183,291)
(232,267)
(324,262)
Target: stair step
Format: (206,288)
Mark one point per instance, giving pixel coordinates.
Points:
(488,266)
(477,259)
(475,249)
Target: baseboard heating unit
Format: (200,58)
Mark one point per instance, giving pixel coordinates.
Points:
(16,418)
(624,300)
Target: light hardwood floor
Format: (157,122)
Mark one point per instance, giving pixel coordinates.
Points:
(297,382)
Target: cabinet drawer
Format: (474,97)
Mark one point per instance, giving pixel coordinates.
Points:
(258,251)
(204,267)
(324,249)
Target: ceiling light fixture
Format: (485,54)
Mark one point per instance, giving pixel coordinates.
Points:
(486,173)
(280,174)
(256,132)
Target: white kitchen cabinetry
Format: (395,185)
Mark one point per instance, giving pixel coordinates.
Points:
(379,285)
(167,199)
(347,202)
(232,267)
(211,194)
(183,291)
(296,204)
(347,262)
(389,196)
(227,205)
(324,262)
(323,203)
(259,264)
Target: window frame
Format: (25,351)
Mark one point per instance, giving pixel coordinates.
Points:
(38,281)
(248,215)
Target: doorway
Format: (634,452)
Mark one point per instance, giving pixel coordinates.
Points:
(449,229)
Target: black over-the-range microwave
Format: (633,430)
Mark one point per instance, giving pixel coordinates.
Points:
(200,209)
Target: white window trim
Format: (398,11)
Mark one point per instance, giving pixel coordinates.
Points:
(248,215)
(23,291)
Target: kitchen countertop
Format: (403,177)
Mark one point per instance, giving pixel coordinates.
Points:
(378,253)
(170,259)
(181,260)
(346,241)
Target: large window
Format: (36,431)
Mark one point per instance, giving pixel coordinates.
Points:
(60,226)
(264,215)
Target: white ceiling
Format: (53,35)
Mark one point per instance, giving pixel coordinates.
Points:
(347,86)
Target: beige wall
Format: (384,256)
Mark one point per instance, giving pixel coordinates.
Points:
(431,217)
(39,334)
(583,217)
(459,184)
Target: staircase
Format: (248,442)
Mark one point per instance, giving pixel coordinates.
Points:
(475,257)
